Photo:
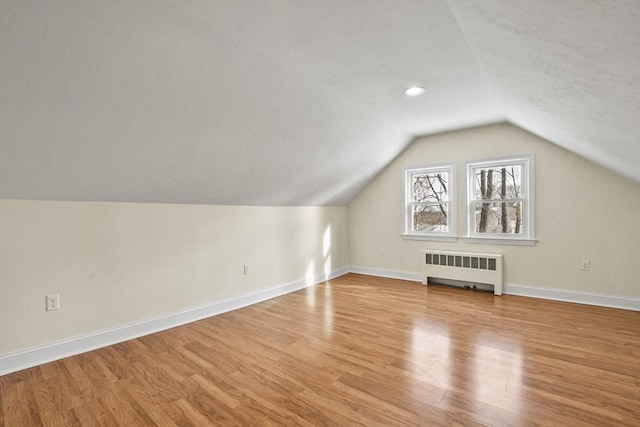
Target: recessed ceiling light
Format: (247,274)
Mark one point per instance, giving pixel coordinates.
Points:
(414,91)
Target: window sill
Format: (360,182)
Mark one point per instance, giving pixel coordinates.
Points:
(432,238)
(498,241)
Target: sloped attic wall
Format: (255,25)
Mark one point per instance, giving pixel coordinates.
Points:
(115,264)
(582,212)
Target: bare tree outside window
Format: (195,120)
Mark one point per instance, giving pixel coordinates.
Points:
(429,201)
(497,200)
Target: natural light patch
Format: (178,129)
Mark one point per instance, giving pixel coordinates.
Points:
(430,354)
(311,296)
(496,373)
(326,241)
(327,267)
(327,291)
(311,290)
(326,252)
(309,275)
(328,310)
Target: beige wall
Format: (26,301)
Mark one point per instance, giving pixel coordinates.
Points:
(117,263)
(582,212)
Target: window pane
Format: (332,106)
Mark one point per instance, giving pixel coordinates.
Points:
(498,183)
(430,218)
(430,187)
(498,217)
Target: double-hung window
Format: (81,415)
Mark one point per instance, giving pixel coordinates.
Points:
(430,203)
(500,201)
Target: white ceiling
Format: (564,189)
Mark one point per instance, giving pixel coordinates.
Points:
(296,102)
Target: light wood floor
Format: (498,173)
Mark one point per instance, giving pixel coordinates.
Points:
(357,350)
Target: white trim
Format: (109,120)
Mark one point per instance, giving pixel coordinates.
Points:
(391,274)
(577,297)
(16,361)
(500,241)
(429,237)
(12,362)
(527,161)
(555,294)
(452,221)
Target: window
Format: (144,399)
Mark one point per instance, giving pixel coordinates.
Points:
(429,207)
(500,201)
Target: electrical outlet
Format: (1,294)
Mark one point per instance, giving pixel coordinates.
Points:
(381,251)
(246,270)
(53,302)
(585,265)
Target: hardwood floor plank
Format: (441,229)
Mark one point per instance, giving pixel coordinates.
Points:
(22,408)
(145,400)
(98,411)
(84,416)
(470,411)
(357,350)
(422,395)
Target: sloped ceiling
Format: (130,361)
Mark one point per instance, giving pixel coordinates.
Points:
(295,102)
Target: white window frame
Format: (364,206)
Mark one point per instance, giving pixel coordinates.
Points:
(448,236)
(527,195)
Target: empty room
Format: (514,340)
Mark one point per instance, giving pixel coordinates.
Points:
(319,213)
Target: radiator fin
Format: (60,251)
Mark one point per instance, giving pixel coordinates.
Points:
(465,266)
(483,263)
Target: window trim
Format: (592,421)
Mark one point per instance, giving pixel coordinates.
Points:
(450,235)
(527,237)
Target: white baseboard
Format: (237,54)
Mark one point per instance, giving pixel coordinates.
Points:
(391,274)
(578,297)
(24,359)
(16,361)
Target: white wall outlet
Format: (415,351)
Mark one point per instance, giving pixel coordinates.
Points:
(585,265)
(381,251)
(53,302)
(246,269)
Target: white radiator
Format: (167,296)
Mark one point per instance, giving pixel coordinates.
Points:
(465,266)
